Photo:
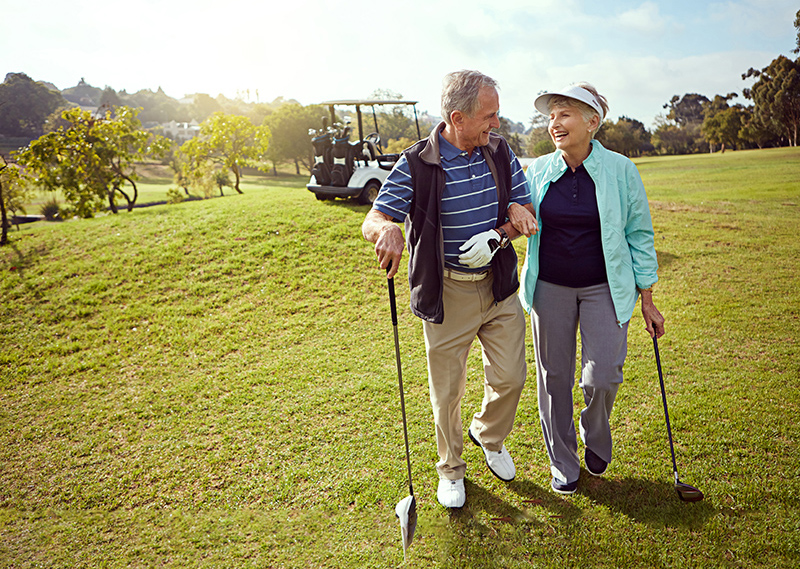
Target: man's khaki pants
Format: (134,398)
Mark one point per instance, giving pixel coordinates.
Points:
(470,311)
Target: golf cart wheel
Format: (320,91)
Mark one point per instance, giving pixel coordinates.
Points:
(323,198)
(369,193)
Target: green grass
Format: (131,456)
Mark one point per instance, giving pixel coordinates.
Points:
(212,384)
(156,179)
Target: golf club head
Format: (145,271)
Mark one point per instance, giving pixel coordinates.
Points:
(406,512)
(688,493)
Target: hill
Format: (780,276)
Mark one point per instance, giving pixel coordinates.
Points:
(212,384)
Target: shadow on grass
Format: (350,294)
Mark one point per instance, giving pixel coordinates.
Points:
(477,535)
(652,503)
(665,259)
(481,500)
(492,532)
(24,261)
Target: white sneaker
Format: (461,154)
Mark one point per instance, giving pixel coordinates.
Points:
(451,493)
(499,462)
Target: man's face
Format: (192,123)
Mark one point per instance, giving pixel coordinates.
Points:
(475,130)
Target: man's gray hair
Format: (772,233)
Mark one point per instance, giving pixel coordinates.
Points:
(460,90)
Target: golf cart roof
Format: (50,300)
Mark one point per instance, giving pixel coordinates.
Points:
(352,102)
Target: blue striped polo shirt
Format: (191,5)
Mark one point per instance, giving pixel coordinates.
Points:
(469,201)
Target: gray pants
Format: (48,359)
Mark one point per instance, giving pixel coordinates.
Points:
(557,314)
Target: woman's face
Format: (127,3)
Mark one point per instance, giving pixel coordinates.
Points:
(569,131)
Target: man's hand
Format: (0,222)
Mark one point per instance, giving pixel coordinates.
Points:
(379,228)
(523,219)
(479,249)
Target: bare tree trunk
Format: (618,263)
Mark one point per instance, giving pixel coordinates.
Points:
(3,215)
(236,173)
(131,202)
(111,205)
(297,166)
(3,212)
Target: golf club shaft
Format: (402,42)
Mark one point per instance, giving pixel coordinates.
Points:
(393,304)
(666,412)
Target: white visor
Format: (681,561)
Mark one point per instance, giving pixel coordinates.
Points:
(542,102)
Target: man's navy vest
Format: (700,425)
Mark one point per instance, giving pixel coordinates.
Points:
(424,226)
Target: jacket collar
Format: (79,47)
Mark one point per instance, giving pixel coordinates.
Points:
(557,165)
(431,154)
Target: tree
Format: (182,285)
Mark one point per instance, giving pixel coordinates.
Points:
(222,179)
(686,113)
(230,141)
(203,106)
(539,136)
(110,98)
(669,138)
(177,161)
(508,130)
(687,110)
(754,133)
(25,106)
(398,145)
(723,128)
(544,146)
(91,158)
(289,126)
(776,95)
(719,125)
(13,194)
(83,94)
(395,121)
(627,136)
(797,27)
(718,104)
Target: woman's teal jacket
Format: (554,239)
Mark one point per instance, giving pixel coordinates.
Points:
(625,225)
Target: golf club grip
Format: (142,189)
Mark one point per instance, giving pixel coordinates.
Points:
(392,299)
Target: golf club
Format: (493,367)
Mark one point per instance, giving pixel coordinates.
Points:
(685,492)
(406,509)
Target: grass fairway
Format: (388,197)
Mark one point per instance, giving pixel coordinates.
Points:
(212,384)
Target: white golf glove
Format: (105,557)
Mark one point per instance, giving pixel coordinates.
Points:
(479,249)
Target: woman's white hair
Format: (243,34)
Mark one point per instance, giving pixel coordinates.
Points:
(587,111)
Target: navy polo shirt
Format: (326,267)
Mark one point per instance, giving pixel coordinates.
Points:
(571,249)
(469,199)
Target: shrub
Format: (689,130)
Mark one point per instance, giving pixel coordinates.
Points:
(174,195)
(544,147)
(51,210)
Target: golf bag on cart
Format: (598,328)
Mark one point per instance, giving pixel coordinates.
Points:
(323,157)
(343,158)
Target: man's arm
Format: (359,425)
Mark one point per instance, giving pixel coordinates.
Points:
(477,250)
(521,221)
(380,229)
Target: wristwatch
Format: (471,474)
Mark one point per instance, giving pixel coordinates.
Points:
(504,240)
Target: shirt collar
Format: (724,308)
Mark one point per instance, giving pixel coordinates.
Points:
(450,151)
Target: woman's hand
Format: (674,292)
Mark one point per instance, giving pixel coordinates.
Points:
(654,321)
(523,219)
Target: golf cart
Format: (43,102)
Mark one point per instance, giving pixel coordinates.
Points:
(351,169)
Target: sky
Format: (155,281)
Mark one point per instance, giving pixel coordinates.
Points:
(637,53)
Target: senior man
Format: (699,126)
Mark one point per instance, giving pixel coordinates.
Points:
(458,192)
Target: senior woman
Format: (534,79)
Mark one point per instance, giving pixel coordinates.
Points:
(593,257)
